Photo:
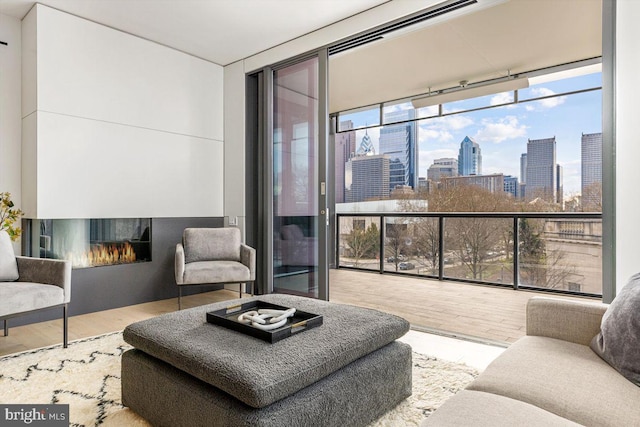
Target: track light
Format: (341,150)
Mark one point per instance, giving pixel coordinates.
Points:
(467,91)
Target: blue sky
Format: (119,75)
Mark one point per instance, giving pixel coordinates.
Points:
(502,132)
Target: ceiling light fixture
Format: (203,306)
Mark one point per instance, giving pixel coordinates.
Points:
(469,90)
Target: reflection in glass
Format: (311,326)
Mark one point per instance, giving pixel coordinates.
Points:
(295,179)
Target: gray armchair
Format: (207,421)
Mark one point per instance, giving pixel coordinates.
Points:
(32,284)
(210,256)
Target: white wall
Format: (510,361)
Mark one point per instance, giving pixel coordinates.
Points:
(10,127)
(117,126)
(627,146)
(10,124)
(234,153)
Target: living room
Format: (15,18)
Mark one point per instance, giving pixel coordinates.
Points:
(71,103)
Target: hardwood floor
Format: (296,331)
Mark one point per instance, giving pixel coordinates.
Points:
(43,334)
(464,310)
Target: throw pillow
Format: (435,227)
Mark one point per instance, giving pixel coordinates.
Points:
(8,264)
(618,342)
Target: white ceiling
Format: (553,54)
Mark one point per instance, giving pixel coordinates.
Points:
(515,36)
(220,31)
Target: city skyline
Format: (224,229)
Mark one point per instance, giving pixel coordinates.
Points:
(503,132)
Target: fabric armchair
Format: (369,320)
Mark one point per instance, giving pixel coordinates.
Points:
(37,284)
(209,256)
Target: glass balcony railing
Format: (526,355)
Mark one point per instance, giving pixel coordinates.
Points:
(556,252)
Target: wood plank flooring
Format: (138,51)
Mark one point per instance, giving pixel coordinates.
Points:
(487,313)
(43,334)
(466,310)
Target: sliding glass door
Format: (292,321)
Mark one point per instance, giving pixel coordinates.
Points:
(291,217)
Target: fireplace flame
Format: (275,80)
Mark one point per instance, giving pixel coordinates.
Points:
(105,254)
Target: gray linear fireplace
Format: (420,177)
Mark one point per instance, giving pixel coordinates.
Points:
(91,242)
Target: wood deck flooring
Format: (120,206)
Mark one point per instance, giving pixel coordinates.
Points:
(457,309)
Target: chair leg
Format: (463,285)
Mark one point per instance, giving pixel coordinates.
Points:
(179,298)
(65,327)
(6,327)
(240,289)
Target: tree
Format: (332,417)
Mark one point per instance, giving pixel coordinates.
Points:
(471,239)
(426,241)
(396,239)
(592,198)
(540,266)
(363,243)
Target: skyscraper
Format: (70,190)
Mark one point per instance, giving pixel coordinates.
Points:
(399,143)
(541,176)
(469,158)
(591,187)
(523,168)
(345,143)
(369,178)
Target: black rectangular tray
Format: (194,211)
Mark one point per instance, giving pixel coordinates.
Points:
(228,317)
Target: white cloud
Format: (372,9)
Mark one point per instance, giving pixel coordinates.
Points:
(500,130)
(545,104)
(501,98)
(455,122)
(434,135)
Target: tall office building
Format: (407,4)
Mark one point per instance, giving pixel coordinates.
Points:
(399,143)
(511,185)
(345,148)
(523,168)
(369,178)
(541,175)
(469,158)
(559,185)
(591,168)
(440,168)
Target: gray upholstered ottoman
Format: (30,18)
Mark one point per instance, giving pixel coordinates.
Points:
(185,371)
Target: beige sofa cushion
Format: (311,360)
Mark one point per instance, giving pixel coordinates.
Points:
(564,378)
(479,409)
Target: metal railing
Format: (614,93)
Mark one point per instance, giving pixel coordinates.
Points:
(552,251)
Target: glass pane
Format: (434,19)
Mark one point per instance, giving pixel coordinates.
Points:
(411,246)
(479,102)
(359,242)
(359,118)
(397,111)
(93,242)
(295,178)
(561,254)
(548,88)
(430,111)
(479,249)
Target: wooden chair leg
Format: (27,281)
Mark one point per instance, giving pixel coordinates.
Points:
(240,289)
(6,327)
(65,327)
(179,298)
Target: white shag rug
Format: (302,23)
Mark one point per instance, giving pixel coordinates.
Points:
(87,377)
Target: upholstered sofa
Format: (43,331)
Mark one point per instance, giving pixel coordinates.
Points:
(550,377)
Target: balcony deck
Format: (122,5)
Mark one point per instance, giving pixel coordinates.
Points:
(484,312)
